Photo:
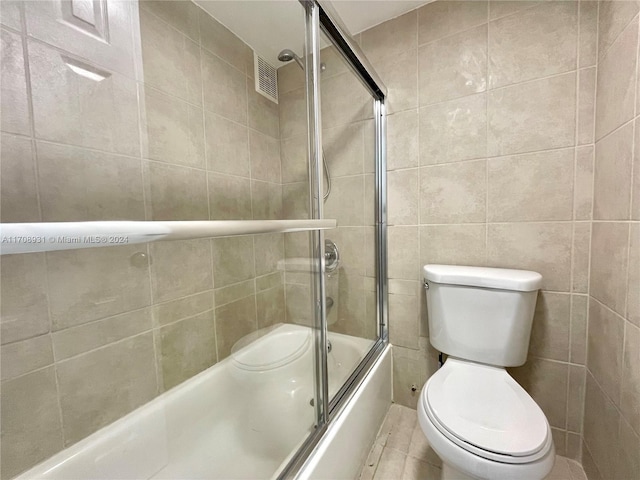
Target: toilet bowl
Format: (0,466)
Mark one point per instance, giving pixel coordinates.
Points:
(483,425)
(476,417)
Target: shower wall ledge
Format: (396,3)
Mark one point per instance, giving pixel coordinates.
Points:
(18,238)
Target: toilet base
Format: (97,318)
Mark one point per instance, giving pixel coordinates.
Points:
(450,473)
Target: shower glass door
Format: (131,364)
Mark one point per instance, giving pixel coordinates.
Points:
(349,165)
(193,358)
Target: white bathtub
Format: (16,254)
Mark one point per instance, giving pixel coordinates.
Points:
(239,419)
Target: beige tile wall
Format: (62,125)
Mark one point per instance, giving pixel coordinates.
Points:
(612,403)
(89,335)
(348,148)
(490,162)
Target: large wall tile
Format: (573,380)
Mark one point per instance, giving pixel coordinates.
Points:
(443,18)
(83,338)
(175,193)
(403,252)
(581,257)
(266,200)
(402,196)
(234,292)
(293,113)
(20,358)
(10,11)
(174,130)
(616,81)
(533,187)
(551,325)
(220,41)
(69,107)
(583,186)
(575,406)
(609,257)
(404,330)
(635,193)
(630,393)
(453,67)
(170,61)
(344,100)
(15,105)
(605,347)
(541,247)
(601,420)
(547,382)
(181,308)
(453,244)
(233,322)
(537,115)
(588,40)
(263,113)
(586,105)
(172,278)
(400,75)
(24,308)
(614,16)
(229,197)
(533,43)
(270,305)
(402,140)
(343,149)
(628,461)
(633,286)
(453,193)
(269,250)
(227,146)
(233,260)
(18,191)
(225,90)
(346,201)
(502,8)
(612,182)
(181,15)
(579,318)
(391,38)
(106,384)
(293,157)
(187,347)
(31,430)
(454,130)
(264,152)
(86,285)
(77,184)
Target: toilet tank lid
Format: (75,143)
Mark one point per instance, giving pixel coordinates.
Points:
(501,278)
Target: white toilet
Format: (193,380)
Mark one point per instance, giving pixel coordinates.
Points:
(479,421)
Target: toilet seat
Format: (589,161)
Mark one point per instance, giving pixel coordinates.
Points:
(483,410)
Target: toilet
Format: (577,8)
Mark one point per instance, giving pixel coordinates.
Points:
(476,417)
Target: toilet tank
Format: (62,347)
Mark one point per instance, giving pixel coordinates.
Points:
(481,314)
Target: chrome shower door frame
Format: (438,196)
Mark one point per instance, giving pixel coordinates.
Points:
(320,16)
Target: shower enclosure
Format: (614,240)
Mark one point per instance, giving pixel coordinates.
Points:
(193,263)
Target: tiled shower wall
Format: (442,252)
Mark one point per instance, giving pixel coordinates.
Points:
(348,148)
(612,403)
(490,162)
(174,130)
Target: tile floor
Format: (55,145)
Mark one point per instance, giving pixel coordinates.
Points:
(401,452)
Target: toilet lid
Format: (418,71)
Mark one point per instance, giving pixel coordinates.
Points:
(485,407)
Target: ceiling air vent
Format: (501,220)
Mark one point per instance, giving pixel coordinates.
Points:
(266,78)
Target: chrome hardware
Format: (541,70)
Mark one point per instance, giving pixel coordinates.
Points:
(414,388)
(331,256)
(329,347)
(426,285)
(329,303)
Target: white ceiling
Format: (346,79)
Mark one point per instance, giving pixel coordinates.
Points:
(269,26)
